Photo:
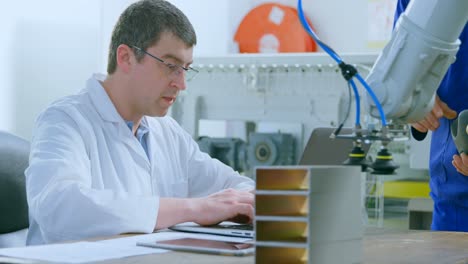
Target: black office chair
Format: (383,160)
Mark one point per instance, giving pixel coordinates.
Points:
(14,159)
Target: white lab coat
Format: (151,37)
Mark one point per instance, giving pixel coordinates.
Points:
(89,176)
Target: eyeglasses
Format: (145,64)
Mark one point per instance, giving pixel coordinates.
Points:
(174,70)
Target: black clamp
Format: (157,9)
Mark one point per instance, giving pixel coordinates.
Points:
(347,70)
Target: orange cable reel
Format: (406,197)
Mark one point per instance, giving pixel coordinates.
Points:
(273,28)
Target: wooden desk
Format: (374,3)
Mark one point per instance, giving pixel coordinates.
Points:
(417,247)
(380,247)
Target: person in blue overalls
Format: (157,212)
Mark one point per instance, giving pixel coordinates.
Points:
(448,170)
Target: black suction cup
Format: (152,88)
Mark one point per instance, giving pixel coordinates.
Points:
(357,157)
(384,163)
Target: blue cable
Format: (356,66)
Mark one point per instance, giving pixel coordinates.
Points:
(374,98)
(311,32)
(337,58)
(358,104)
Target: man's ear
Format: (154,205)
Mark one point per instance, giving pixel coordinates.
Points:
(125,58)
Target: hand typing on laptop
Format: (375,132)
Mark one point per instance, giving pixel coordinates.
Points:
(226,205)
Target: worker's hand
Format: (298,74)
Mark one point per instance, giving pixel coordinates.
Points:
(431,120)
(461,163)
(227,205)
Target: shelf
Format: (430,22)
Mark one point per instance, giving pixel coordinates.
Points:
(295,232)
(267,254)
(281,179)
(271,218)
(275,244)
(308,214)
(281,205)
(282,192)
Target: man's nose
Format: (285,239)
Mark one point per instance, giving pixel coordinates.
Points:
(180,82)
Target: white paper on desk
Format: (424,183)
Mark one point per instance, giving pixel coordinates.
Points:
(76,252)
(15,260)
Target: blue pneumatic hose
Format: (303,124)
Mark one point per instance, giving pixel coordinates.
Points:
(374,98)
(358,104)
(338,60)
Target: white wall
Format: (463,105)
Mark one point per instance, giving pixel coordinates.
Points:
(210,18)
(110,12)
(344,25)
(211,24)
(48,49)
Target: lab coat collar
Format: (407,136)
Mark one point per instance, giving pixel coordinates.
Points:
(101,99)
(108,112)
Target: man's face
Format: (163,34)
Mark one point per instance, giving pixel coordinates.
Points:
(156,84)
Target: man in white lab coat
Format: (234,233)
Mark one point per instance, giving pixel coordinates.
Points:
(108,160)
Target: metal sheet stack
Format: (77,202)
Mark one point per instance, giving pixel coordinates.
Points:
(308,214)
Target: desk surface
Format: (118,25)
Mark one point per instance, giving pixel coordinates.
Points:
(379,247)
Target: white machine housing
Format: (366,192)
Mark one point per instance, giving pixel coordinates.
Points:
(412,65)
(299,92)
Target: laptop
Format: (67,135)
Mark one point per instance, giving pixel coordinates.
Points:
(323,150)
(320,150)
(224,229)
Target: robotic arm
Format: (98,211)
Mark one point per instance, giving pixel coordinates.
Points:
(402,84)
(411,67)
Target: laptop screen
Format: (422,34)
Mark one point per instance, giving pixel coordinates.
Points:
(323,150)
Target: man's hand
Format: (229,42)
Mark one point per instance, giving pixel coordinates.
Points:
(460,162)
(226,205)
(431,120)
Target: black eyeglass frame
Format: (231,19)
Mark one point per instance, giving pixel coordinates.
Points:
(172,67)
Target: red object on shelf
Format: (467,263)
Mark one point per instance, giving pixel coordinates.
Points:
(273,28)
